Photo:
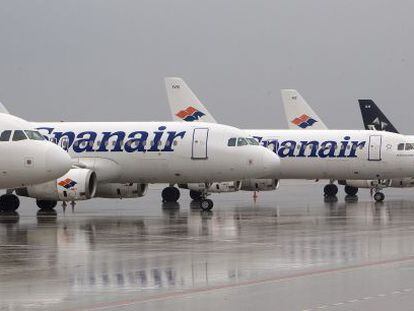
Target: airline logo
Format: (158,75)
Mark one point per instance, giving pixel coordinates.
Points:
(345,148)
(190,114)
(118,141)
(67,183)
(304,121)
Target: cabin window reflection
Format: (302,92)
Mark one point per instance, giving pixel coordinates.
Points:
(19,135)
(409,146)
(241,141)
(5,135)
(231,142)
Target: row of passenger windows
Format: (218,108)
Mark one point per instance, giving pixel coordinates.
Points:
(406,146)
(242,141)
(20,135)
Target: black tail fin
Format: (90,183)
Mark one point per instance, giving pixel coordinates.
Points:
(373,117)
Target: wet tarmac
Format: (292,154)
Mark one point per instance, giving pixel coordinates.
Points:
(288,251)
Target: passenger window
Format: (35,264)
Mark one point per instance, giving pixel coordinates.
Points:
(400,146)
(34,135)
(231,142)
(5,135)
(19,135)
(241,141)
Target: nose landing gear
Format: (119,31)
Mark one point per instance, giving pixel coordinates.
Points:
(379,196)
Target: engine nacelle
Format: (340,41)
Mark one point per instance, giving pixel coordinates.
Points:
(260,184)
(77,184)
(217,187)
(115,190)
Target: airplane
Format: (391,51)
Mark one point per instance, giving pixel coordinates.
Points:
(26,158)
(373,119)
(119,159)
(315,154)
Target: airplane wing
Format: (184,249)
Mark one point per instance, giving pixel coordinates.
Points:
(374,118)
(299,114)
(184,105)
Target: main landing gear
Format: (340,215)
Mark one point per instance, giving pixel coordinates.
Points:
(170,194)
(9,203)
(46,204)
(330,190)
(351,191)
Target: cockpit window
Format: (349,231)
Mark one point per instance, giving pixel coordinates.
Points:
(231,142)
(241,141)
(19,135)
(5,135)
(34,135)
(252,141)
(401,146)
(409,146)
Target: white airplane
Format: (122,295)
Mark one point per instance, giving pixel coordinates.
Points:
(119,159)
(373,119)
(315,154)
(26,158)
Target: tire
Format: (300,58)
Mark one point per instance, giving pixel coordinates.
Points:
(9,202)
(206,204)
(170,194)
(379,197)
(330,190)
(195,195)
(46,204)
(352,191)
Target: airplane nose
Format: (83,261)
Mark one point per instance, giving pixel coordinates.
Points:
(271,164)
(58,161)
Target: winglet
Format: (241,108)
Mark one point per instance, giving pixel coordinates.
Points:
(373,117)
(184,105)
(299,115)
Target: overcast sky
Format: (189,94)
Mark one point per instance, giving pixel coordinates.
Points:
(105,60)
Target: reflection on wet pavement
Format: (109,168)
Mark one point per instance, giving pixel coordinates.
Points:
(101,255)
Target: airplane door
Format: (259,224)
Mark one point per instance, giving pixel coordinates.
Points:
(374,150)
(199,149)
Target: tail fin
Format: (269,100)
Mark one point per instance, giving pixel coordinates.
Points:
(3,109)
(374,118)
(298,113)
(184,105)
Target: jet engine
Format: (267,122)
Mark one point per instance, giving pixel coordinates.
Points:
(77,184)
(116,190)
(259,184)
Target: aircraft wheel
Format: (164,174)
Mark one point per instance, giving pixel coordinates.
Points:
(352,191)
(170,194)
(9,202)
(330,190)
(195,195)
(206,204)
(46,204)
(379,197)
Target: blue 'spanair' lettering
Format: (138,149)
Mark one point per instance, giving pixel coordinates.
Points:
(313,149)
(119,141)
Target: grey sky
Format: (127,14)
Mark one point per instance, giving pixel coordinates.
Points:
(105,60)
